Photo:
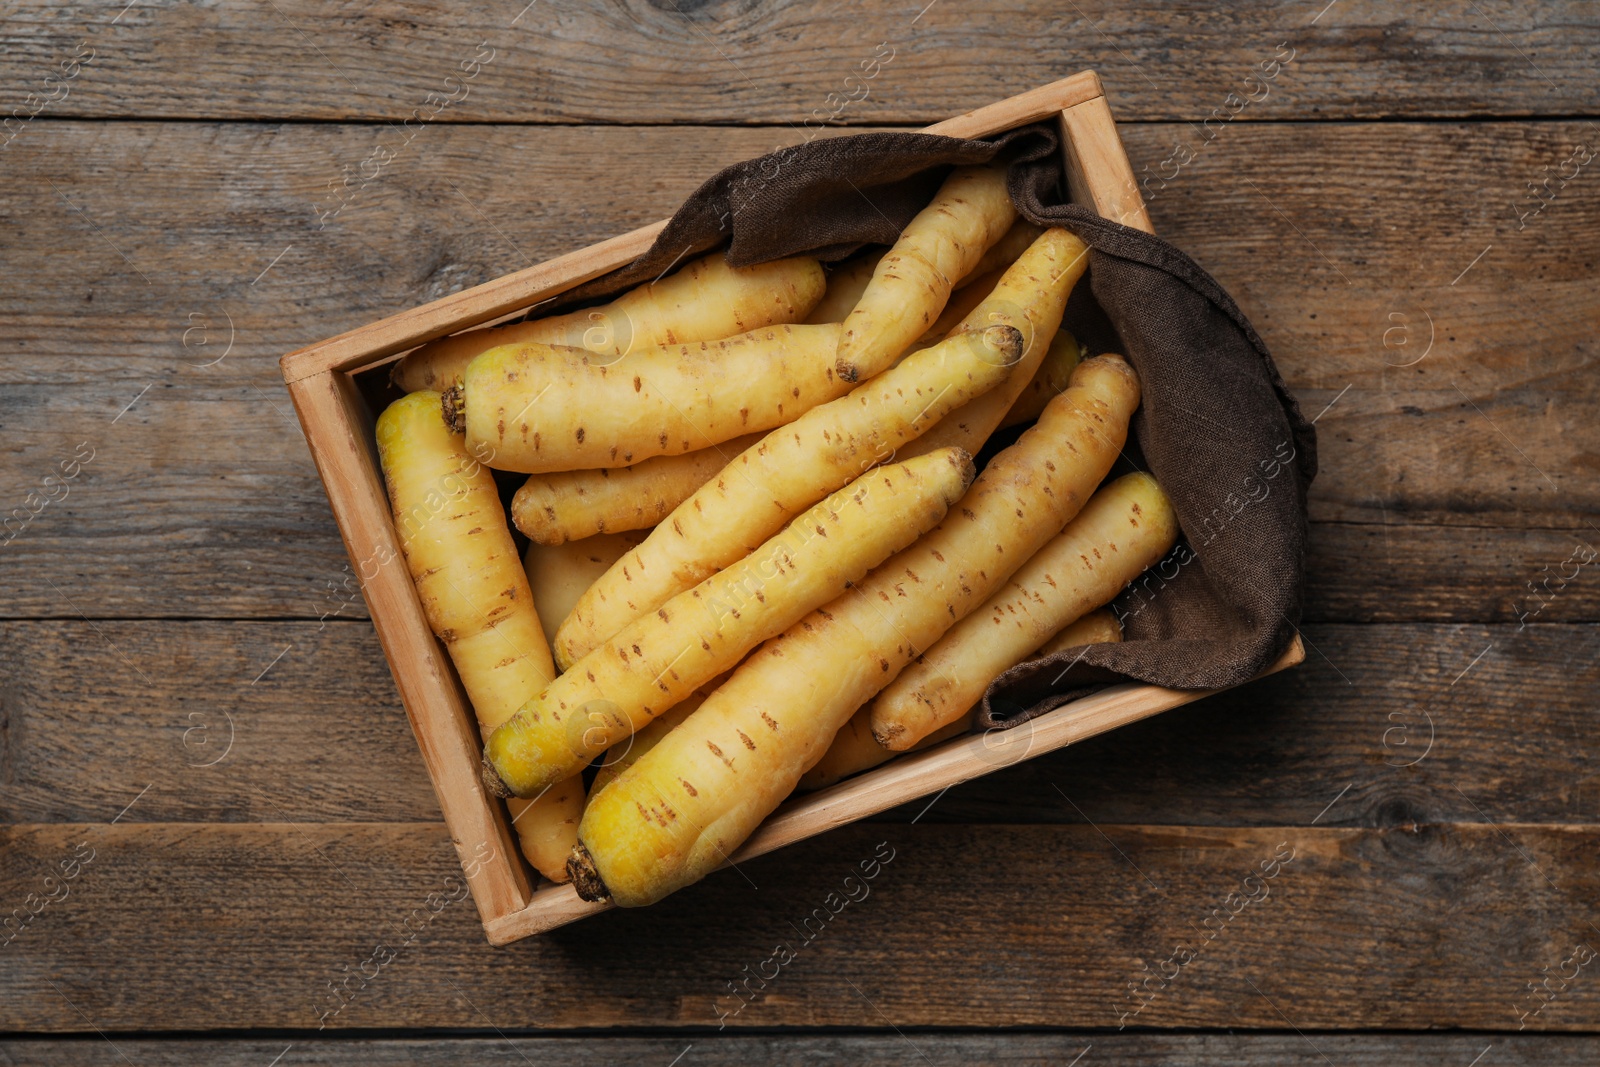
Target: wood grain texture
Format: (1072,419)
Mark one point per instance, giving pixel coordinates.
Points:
(1011,1049)
(1405,571)
(1448,345)
(491,302)
(1385,710)
(1097,168)
(229,926)
(720,61)
(160,235)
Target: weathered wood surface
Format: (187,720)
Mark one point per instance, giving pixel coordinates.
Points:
(1012,1049)
(1433,771)
(719,61)
(280,722)
(175,927)
(1448,485)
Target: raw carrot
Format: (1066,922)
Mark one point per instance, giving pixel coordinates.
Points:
(854,749)
(552,508)
(846,282)
(1127,526)
(1060,260)
(1099,627)
(829,444)
(559,574)
(787,471)
(536,408)
(1052,376)
(474,593)
(706,300)
(1003,252)
(911,283)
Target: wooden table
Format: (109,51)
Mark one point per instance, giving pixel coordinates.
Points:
(200,744)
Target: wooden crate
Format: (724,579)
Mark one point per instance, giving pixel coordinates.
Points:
(338,424)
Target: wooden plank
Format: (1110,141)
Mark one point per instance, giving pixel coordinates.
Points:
(1020,109)
(1401,928)
(1401,725)
(219,511)
(1403,715)
(1403,571)
(795,1049)
(878,62)
(490,302)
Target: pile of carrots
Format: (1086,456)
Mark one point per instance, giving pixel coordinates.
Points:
(761,558)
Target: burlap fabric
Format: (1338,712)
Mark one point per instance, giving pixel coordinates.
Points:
(1216,427)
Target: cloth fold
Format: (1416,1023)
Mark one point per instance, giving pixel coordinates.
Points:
(1216,426)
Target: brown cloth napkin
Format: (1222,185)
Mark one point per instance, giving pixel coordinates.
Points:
(1216,427)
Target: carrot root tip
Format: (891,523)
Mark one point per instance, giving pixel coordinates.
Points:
(454,407)
(585,878)
(492,780)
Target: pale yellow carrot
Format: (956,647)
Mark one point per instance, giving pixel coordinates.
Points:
(854,749)
(559,574)
(969,426)
(625,753)
(1003,252)
(787,471)
(962,303)
(1099,627)
(552,508)
(1051,377)
(846,282)
(1127,526)
(830,444)
(706,300)
(536,408)
(474,593)
(911,283)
